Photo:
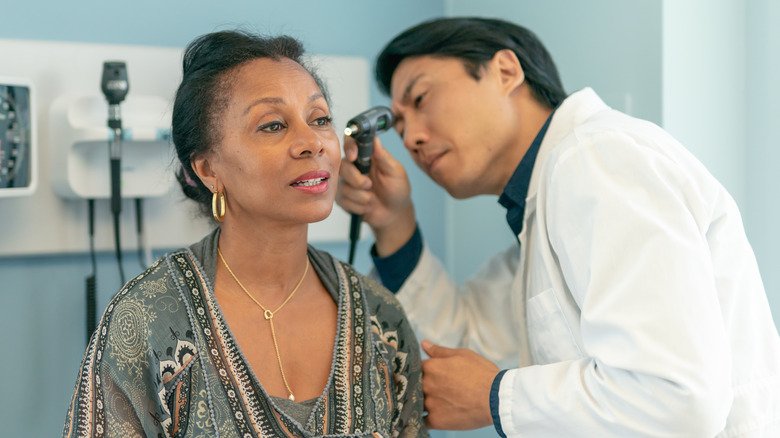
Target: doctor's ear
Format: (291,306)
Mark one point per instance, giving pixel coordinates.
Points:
(506,65)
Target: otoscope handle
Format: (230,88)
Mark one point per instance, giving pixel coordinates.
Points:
(363,166)
(354,226)
(365,150)
(363,163)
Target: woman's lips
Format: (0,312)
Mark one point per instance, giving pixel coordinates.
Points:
(312,182)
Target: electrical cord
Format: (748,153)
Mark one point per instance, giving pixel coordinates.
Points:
(118,247)
(91,294)
(116,194)
(354,235)
(143,259)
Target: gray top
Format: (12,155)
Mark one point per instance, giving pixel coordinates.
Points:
(299,411)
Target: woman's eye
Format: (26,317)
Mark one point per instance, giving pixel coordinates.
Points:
(323,121)
(271,127)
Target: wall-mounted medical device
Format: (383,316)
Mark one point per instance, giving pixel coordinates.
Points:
(18,147)
(79,137)
(101,152)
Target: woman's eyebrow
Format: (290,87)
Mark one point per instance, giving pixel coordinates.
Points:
(277,100)
(268,100)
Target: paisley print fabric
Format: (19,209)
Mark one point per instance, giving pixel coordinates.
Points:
(162,362)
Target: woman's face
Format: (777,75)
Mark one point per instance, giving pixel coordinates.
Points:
(277,155)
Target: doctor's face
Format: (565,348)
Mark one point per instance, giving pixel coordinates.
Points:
(278,155)
(456,128)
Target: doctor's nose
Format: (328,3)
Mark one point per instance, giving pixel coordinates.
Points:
(414,137)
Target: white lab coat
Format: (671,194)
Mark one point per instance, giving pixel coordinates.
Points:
(633,305)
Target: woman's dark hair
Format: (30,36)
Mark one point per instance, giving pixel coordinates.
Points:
(474,41)
(204,92)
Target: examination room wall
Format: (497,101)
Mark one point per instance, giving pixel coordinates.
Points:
(42,296)
(763,139)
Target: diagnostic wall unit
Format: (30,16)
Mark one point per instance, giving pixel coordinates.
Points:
(18,148)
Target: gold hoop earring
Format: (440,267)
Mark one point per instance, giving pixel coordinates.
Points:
(218,207)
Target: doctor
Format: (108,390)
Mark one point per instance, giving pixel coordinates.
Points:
(631,303)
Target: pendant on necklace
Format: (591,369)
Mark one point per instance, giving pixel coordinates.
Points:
(291,397)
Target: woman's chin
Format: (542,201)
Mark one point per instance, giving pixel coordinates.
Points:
(315,213)
(320,216)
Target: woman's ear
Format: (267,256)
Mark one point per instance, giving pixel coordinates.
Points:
(510,73)
(203,169)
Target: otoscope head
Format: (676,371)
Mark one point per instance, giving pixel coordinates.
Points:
(370,122)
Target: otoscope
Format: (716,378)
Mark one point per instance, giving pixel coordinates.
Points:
(363,128)
(115,87)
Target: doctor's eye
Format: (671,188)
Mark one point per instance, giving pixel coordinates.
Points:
(271,127)
(399,127)
(418,100)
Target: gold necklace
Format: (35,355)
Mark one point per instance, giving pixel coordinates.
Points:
(269,314)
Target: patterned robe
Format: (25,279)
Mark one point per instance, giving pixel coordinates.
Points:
(162,362)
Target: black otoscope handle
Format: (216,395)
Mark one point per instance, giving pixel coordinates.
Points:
(365,146)
(363,163)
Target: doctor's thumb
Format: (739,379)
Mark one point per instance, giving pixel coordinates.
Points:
(434,350)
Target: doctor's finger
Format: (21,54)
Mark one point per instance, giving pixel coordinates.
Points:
(355,196)
(434,350)
(352,207)
(351,176)
(350,149)
(437,415)
(434,371)
(384,161)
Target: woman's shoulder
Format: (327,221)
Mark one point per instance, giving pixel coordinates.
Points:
(154,281)
(147,299)
(383,300)
(374,292)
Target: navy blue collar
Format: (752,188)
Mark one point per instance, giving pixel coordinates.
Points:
(516,190)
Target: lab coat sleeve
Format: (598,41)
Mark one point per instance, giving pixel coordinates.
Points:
(477,315)
(626,226)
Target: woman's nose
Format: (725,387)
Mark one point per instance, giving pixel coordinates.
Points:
(307,143)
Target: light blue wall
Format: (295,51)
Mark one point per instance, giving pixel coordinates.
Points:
(763,137)
(704,83)
(42,324)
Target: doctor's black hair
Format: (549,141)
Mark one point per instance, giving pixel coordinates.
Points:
(205,91)
(474,41)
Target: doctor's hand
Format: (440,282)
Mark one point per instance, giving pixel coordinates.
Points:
(382,197)
(456,385)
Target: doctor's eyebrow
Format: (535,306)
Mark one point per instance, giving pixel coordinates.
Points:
(407,95)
